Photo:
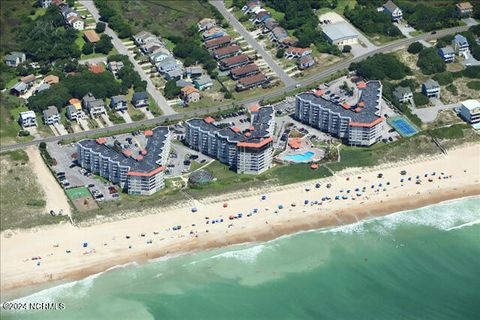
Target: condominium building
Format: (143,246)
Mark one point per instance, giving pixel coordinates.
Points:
(358,123)
(470,112)
(138,171)
(250,152)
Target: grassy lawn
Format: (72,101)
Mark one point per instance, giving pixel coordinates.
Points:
(21,198)
(9,127)
(38,13)
(97,55)
(80,41)
(277,15)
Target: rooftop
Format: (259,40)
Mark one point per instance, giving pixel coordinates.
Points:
(147,165)
(218,41)
(234,60)
(252,79)
(472,105)
(227,50)
(369,102)
(339,31)
(244,69)
(91,36)
(50,111)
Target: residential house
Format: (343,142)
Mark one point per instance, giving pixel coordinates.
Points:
(403,94)
(277,34)
(460,45)
(92,105)
(27,119)
(232,62)
(261,16)
(51,115)
(464,9)
(19,89)
(218,42)
(76,22)
(91,36)
(305,62)
(159,56)
(175,74)
(447,54)
(226,52)
(193,72)
(14,59)
(153,46)
(44,3)
(431,88)
(470,112)
(76,103)
(96,68)
(51,79)
(41,87)
(287,42)
(251,6)
(140,99)
(244,71)
(213,33)
(168,64)
(189,94)
(293,52)
(251,82)
(115,67)
(269,24)
(67,12)
(144,37)
(183,83)
(206,24)
(393,10)
(203,83)
(28,80)
(118,103)
(73,113)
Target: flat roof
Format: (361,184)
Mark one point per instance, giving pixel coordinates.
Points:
(338,31)
(472,104)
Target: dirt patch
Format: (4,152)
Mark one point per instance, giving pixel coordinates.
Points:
(85,204)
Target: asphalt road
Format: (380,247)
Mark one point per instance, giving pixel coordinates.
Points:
(122,49)
(200,112)
(282,75)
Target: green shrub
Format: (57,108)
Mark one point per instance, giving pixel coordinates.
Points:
(420,99)
(475,85)
(430,62)
(415,47)
(452,89)
(443,78)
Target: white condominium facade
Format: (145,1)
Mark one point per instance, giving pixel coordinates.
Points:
(358,125)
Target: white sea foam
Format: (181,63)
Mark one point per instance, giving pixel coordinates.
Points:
(444,216)
(75,289)
(248,255)
(468,224)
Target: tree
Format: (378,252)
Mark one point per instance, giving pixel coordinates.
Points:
(228,95)
(104,45)
(171,90)
(443,78)
(88,48)
(100,28)
(280,53)
(346,49)
(57,95)
(430,62)
(381,66)
(420,99)
(415,47)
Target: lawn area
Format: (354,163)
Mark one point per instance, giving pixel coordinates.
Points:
(10,20)
(9,127)
(277,15)
(97,55)
(163,17)
(340,8)
(21,198)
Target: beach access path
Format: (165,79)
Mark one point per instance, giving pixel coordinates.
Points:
(54,195)
(71,253)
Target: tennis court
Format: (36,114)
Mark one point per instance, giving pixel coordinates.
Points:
(403,126)
(77,193)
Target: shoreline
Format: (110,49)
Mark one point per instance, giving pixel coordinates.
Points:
(261,227)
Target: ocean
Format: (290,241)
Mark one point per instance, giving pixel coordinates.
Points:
(417,264)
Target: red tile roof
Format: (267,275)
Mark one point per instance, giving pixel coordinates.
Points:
(244,69)
(218,41)
(254,108)
(101,140)
(252,79)
(255,144)
(146,174)
(148,133)
(96,68)
(234,60)
(368,125)
(209,120)
(127,152)
(361,85)
(227,50)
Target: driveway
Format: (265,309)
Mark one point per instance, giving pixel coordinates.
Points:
(402,26)
(125,116)
(431,113)
(94,60)
(122,49)
(220,5)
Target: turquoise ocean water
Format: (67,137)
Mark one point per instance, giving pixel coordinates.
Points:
(418,264)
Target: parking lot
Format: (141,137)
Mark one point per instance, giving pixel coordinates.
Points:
(71,175)
(181,158)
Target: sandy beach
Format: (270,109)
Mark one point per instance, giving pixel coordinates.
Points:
(58,252)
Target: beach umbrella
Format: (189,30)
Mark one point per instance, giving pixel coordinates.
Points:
(305,202)
(194,210)
(264,197)
(85,244)
(314,166)
(225,205)
(280,206)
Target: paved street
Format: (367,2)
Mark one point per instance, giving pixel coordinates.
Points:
(122,49)
(282,75)
(200,112)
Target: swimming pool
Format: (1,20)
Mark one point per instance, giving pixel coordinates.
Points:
(403,127)
(303,157)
